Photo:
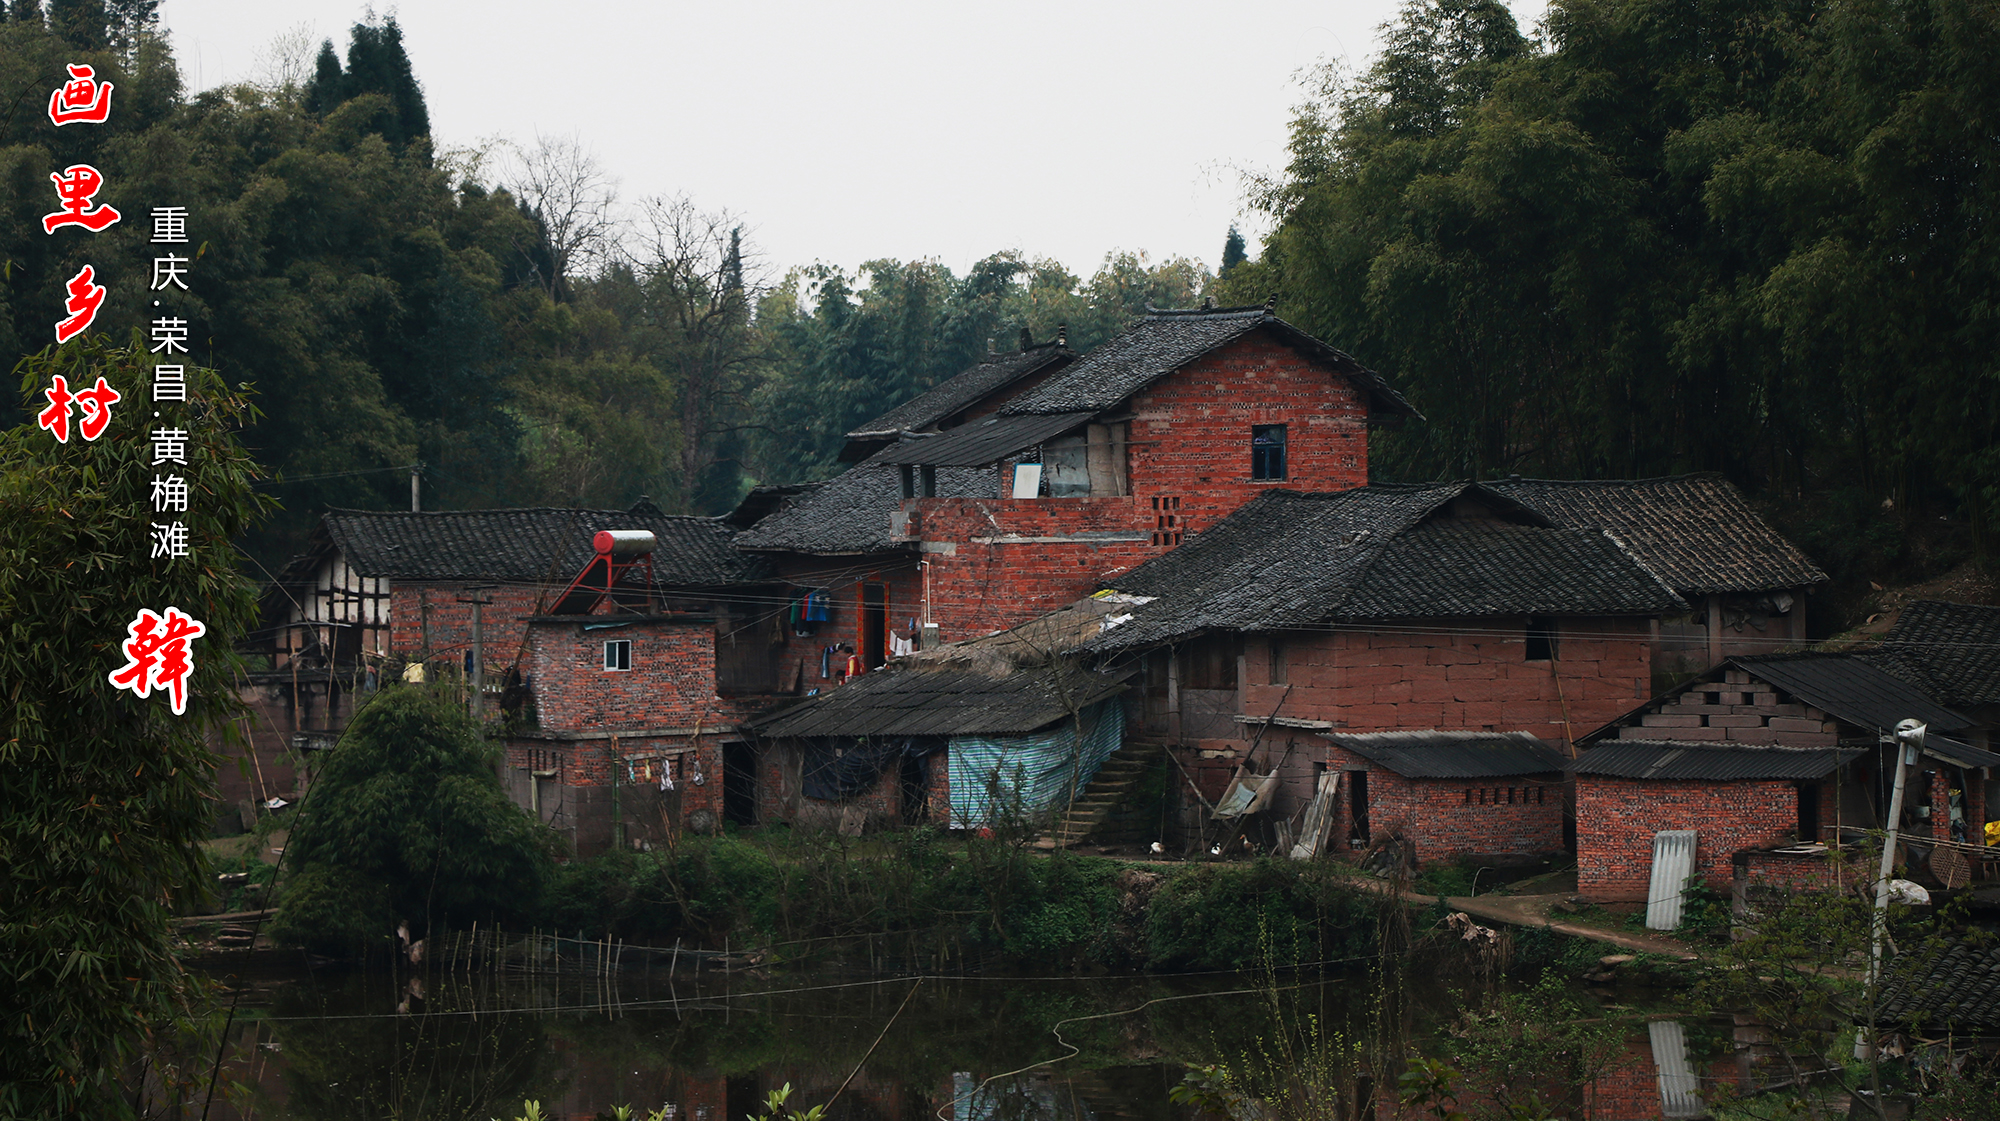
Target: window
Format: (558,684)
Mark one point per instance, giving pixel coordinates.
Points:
(1541,639)
(1267,451)
(618,654)
(919,482)
(1280,669)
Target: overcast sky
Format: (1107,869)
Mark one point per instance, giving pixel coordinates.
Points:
(841,132)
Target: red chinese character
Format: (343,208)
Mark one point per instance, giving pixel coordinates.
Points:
(156,656)
(55,418)
(97,402)
(81,99)
(77,185)
(84,298)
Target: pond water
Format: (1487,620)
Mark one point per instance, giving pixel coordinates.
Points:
(353,1045)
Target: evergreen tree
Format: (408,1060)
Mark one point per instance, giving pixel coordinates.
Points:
(27,11)
(324,90)
(79,22)
(1233,252)
(376,63)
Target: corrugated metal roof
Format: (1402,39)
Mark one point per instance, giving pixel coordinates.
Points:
(1962,754)
(981,442)
(1669,761)
(1439,754)
(1852,688)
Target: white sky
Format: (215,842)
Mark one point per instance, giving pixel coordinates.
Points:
(845,131)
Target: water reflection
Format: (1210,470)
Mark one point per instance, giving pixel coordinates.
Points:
(354,1045)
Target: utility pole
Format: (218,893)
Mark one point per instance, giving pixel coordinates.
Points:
(478,648)
(1909,740)
(416,488)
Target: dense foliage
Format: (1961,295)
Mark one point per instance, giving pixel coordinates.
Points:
(103,796)
(1751,236)
(407,822)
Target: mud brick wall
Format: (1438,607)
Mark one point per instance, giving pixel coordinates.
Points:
(1456,674)
(1616,819)
(1448,818)
(504,623)
(671,682)
(1738,709)
(1190,433)
(581,801)
(780,796)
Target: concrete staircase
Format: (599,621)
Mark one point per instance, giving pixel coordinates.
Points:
(1104,812)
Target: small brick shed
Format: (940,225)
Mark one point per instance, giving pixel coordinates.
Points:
(1450,793)
(1735,797)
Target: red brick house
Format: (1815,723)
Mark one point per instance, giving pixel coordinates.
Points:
(1493,796)
(839,540)
(377,591)
(1763,753)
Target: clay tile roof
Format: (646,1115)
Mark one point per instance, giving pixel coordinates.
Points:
(1696,531)
(1291,559)
(1163,341)
(1668,761)
(849,513)
(939,402)
(982,442)
(1433,754)
(1944,984)
(532,545)
(914,701)
(1954,646)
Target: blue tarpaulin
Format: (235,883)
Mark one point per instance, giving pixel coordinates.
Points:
(1038,769)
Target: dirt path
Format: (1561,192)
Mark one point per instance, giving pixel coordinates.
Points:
(1533,910)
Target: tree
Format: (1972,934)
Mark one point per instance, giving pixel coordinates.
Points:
(407,822)
(376,64)
(103,796)
(1233,252)
(574,203)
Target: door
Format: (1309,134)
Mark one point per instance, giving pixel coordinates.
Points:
(739,784)
(874,624)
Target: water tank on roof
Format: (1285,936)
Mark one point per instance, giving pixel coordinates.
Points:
(624,544)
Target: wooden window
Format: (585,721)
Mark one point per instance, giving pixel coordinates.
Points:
(1280,669)
(1541,639)
(618,654)
(1267,451)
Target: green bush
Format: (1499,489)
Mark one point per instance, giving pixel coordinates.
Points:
(408,804)
(333,910)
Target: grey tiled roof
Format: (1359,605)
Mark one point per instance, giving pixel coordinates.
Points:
(1954,646)
(939,402)
(1854,688)
(1696,531)
(982,442)
(1290,559)
(1431,754)
(911,701)
(1163,341)
(1949,985)
(1668,761)
(532,545)
(849,513)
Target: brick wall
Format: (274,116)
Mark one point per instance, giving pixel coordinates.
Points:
(1455,674)
(1000,562)
(1616,819)
(503,622)
(798,656)
(781,797)
(671,682)
(1190,435)
(1447,818)
(590,789)
(1737,709)
(1788,872)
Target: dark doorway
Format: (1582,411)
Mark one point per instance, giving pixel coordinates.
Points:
(915,784)
(1357,804)
(874,624)
(739,784)
(1808,811)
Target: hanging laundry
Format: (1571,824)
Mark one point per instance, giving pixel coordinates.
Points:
(900,646)
(819,606)
(826,661)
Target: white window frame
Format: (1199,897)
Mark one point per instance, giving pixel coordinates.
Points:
(622,648)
